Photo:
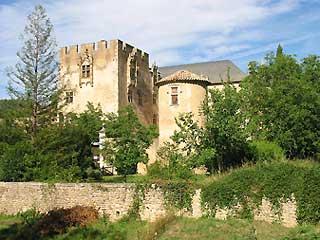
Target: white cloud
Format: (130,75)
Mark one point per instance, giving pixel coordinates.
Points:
(157,26)
(171,31)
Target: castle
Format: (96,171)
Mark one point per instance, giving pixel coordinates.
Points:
(115,74)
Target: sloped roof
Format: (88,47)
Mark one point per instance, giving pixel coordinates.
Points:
(184,75)
(215,71)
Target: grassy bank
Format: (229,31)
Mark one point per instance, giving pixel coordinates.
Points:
(171,229)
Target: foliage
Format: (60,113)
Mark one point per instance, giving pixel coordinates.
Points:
(162,171)
(223,140)
(59,152)
(275,181)
(178,195)
(30,217)
(282,101)
(304,232)
(225,128)
(33,80)
(127,140)
(189,135)
(8,109)
(264,151)
(14,161)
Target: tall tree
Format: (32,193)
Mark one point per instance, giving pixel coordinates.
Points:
(34,78)
(282,102)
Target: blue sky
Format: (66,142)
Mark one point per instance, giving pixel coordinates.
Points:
(173,32)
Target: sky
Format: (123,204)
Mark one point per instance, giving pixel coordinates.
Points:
(172,31)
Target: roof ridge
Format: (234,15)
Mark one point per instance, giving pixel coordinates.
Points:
(195,63)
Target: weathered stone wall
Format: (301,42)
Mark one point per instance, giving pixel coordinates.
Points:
(115,200)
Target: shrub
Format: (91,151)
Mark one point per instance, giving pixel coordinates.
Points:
(30,217)
(264,151)
(169,172)
(275,181)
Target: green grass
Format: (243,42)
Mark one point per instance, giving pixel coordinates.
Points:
(205,229)
(174,229)
(7,221)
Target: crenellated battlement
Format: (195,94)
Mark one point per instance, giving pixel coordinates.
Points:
(127,48)
(90,47)
(102,45)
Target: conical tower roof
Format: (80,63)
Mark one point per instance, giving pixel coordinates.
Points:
(184,76)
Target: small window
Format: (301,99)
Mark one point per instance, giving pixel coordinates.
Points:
(69,97)
(85,71)
(154,119)
(174,96)
(139,98)
(130,96)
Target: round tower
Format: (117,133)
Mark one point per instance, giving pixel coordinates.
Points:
(181,92)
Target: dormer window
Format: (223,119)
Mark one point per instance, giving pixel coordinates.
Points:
(174,96)
(85,71)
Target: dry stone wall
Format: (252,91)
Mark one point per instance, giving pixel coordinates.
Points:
(115,201)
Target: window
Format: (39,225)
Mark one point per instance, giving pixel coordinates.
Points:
(154,119)
(139,98)
(174,96)
(85,71)
(69,97)
(130,96)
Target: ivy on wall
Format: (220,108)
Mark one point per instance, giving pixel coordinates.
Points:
(275,181)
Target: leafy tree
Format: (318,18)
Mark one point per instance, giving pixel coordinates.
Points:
(225,132)
(186,149)
(58,152)
(223,140)
(13,161)
(127,140)
(282,102)
(33,80)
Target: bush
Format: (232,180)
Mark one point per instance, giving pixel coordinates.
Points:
(30,217)
(169,172)
(14,163)
(275,181)
(264,151)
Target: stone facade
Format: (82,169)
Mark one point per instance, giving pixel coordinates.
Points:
(115,200)
(109,73)
(115,74)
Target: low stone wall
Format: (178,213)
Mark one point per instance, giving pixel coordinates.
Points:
(115,200)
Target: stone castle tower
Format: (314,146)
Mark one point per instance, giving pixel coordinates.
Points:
(110,73)
(180,92)
(115,74)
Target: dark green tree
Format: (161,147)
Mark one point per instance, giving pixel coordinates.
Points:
(282,102)
(127,140)
(225,128)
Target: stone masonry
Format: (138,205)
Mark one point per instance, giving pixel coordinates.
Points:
(115,201)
